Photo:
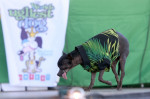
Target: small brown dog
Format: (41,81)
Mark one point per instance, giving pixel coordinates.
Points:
(98,54)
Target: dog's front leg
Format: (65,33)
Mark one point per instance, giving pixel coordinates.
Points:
(100,78)
(122,65)
(92,81)
(113,66)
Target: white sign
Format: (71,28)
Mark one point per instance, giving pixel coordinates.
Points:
(34,36)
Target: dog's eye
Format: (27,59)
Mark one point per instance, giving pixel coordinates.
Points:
(69,62)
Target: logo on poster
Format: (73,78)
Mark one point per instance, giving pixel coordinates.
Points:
(32,21)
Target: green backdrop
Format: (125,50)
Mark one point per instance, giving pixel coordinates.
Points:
(3,65)
(130,17)
(90,17)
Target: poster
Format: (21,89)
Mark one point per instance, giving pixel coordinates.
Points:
(34,36)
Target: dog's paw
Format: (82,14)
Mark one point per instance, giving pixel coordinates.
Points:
(119,87)
(109,83)
(87,89)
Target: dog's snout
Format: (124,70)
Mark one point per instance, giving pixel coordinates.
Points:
(58,74)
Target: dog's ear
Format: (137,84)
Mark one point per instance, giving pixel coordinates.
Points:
(64,53)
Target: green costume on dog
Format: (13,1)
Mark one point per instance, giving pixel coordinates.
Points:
(99,52)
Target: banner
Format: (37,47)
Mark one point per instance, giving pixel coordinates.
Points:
(34,36)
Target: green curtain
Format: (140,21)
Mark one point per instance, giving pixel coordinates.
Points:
(129,17)
(3,65)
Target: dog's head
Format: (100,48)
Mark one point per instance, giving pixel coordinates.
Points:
(64,64)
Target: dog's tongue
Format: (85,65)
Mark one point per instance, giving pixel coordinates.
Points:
(64,75)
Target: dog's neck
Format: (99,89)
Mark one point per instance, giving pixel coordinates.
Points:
(76,58)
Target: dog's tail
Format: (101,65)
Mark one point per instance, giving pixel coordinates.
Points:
(119,68)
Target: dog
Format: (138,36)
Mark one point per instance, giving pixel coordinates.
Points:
(114,48)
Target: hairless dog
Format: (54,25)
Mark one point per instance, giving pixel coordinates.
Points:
(74,58)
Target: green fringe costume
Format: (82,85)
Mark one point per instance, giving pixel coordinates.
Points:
(99,52)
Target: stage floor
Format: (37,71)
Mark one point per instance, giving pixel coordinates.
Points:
(126,93)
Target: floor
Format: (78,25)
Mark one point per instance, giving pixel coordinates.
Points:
(108,93)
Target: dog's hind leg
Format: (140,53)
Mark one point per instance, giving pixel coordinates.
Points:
(100,78)
(113,66)
(92,81)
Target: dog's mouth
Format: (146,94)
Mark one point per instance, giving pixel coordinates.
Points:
(63,73)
